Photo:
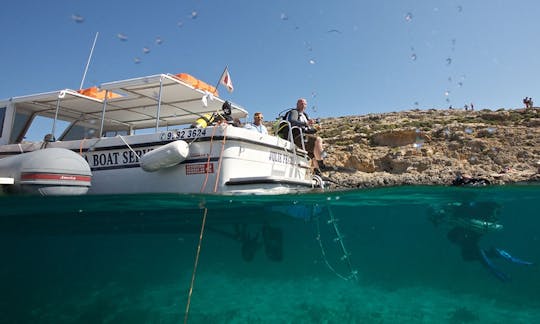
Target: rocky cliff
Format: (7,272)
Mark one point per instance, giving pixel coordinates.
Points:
(431,146)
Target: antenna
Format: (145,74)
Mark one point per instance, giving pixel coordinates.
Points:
(88,62)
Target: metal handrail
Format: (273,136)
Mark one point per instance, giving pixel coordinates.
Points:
(290,136)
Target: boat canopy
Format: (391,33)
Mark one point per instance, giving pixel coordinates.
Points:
(131,104)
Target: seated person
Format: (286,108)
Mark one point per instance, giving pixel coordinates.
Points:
(313,144)
(257,124)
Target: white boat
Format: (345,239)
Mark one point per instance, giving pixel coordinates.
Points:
(135,137)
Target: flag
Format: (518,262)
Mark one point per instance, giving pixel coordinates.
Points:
(226,80)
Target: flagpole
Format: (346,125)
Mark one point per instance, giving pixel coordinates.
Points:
(221,76)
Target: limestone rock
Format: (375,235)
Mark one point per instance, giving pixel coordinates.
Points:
(429,147)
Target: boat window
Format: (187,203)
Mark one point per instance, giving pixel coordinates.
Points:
(21,121)
(80,131)
(2,117)
(41,126)
(115,133)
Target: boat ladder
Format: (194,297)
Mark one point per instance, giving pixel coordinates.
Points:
(346,256)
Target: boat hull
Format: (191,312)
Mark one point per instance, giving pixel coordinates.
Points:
(228,160)
(233,161)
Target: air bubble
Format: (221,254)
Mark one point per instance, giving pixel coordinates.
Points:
(146,50)
(408,17)
(283,16)
(194,14)
(158,40)
(136,60)
(448,61)
(77,18)
(413,57)
(334,31)
(312,61)
(122,37)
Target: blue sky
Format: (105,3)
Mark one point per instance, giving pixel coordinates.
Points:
(347,57)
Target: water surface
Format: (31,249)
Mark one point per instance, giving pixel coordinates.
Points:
(268,259)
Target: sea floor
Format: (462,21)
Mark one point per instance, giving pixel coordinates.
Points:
(220,299)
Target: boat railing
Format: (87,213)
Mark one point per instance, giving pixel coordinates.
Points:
(288,132)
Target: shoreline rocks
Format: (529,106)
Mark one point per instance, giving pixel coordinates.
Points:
(430,147)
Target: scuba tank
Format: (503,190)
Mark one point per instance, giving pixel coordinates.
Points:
(204,121)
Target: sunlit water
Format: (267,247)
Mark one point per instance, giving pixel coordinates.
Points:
(265,259)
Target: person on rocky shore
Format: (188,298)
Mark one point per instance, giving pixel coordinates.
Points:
(528,102)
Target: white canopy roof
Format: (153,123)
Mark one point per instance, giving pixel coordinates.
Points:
(136,106)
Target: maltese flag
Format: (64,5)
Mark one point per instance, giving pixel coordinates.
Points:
(226,80)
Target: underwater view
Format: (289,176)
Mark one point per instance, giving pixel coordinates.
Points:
(387,255)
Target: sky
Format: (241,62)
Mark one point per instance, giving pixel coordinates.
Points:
(346,57)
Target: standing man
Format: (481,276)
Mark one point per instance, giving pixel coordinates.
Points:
(257,124)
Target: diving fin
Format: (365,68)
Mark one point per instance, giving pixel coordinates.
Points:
(505,255)
(492,268)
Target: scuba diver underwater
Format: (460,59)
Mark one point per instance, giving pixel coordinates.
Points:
(468,222)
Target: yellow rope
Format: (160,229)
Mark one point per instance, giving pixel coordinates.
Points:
(220,157)
(207,165)
(195,265)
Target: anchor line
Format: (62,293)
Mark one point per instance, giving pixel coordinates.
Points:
(81,146)
(207,166)
(221,157)
(339,238)
(196,263)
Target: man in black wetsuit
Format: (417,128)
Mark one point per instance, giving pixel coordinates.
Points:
(468,222)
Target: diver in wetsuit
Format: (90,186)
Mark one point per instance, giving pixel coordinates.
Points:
(466,180)
(469,222)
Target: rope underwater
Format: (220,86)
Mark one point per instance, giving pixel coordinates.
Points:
(188,304)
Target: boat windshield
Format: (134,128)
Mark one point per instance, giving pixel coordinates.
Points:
(2,117)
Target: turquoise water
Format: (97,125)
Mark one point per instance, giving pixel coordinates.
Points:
(268,259)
